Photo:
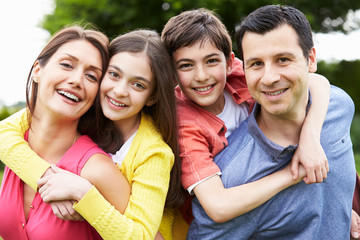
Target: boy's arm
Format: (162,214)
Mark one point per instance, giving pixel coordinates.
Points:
(310,153)
(15,152)
(222,204)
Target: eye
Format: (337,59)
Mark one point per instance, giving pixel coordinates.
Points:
(185,66)
(138,85)
(213,61)
(283,60)
(91,77)
(256,64)
(66,65)
(114,74)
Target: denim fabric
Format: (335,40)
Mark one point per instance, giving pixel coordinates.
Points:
(316,211)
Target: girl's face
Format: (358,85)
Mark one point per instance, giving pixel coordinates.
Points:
(69,81)
(127,87)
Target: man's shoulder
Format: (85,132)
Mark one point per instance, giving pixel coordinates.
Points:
(340,99)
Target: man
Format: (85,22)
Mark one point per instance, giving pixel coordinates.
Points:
(275,44)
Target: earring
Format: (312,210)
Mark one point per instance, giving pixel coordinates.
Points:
(35,79)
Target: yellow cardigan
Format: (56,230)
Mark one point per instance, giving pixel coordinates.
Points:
(147,167)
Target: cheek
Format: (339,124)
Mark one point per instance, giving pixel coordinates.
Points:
(220,74)
(184,78)
(94,92)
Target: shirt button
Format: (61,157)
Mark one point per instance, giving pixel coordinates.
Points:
(31,206)
(23,225)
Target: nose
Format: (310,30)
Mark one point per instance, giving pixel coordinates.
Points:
(201,74)
(75,80)
(271,75)
(120,88)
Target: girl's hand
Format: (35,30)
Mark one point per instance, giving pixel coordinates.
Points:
(62,185)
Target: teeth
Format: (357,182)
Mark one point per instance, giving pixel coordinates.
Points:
(116,104)
(69,95)
(276,93)
(203,89)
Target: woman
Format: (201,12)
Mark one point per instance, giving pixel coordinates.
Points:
(61,88)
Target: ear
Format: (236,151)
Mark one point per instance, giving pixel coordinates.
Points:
(229,64)
(151,101)
(36,70)
(312,61)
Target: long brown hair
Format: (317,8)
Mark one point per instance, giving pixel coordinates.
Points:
(65,35)
(163,111)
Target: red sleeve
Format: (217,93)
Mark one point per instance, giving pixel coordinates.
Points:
(197,160)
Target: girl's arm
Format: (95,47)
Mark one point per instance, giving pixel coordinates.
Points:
(144,212)
(309,152)
(99,172)
(222,204)
(15,152)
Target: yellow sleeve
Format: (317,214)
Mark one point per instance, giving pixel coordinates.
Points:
(142,217)
(15,152)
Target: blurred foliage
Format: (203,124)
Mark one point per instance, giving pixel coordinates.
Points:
(119,16)
(355,134)
(346,75)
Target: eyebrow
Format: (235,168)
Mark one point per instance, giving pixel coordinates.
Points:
(77,60)
(137,77)
(191,60)
(281,54)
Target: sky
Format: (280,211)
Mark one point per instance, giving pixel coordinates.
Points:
(22,40)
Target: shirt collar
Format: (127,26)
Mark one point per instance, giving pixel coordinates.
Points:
(276,152)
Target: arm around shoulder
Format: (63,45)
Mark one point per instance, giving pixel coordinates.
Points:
(222,204)
(15,151)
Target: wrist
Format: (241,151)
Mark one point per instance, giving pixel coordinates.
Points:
(83,189)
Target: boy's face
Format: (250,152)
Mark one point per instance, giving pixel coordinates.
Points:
(202,70)
(276,70)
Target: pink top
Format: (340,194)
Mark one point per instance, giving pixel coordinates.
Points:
(42,223)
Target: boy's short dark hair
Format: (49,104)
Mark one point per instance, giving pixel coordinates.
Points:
(267,18)
(193,26)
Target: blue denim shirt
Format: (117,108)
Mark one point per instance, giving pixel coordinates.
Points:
(316,211)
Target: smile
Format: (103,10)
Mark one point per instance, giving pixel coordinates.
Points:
(70,96)
(203,89)
(276,93)
(116,103)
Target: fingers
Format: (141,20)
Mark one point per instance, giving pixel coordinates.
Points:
(65,211)
(56,169)
(295,168)
(355,225)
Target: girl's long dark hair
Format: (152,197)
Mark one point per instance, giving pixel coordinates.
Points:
(163,111)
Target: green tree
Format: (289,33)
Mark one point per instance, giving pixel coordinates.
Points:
(346,75)
(118,16)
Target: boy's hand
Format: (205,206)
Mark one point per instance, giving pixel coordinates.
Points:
(312,156)
(355,225)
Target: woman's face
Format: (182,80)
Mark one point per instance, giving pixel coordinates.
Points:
(127,87)
(69,81)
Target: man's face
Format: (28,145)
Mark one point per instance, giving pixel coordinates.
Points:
(276,70)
